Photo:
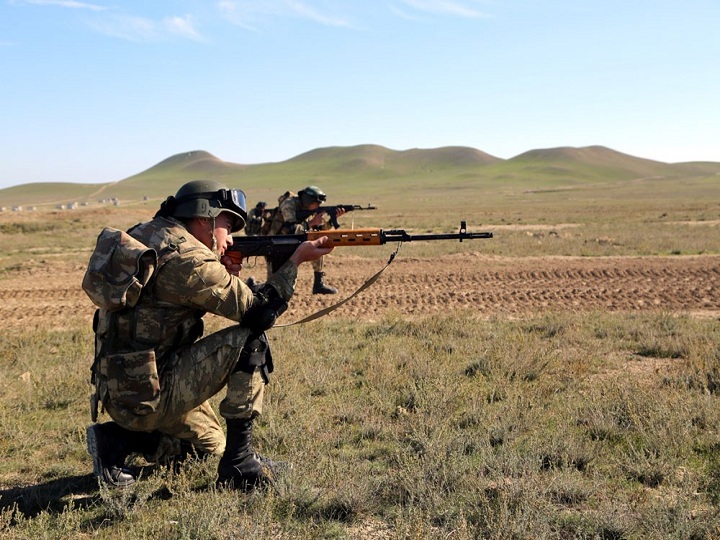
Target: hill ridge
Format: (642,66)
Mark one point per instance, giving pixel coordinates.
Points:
(333,167)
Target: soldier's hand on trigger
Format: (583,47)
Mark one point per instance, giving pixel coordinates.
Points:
(231,266)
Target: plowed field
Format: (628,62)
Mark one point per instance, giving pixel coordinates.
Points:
(485,286)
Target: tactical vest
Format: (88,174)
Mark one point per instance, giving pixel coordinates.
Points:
(147,322)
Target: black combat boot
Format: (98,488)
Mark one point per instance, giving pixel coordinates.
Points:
(240,467)
(108,446)
(319,287)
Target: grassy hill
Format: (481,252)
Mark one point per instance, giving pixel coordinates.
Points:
(598,164)
(366,170)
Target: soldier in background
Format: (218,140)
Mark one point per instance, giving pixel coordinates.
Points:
(296,214)
(152,372)
(256,219)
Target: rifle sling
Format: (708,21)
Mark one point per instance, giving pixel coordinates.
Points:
(333,307)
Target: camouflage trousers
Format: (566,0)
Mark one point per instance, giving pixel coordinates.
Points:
(190,378)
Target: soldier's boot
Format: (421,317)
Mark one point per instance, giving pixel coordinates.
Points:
(320,287)
(240,467)
(110,445)
(109,448)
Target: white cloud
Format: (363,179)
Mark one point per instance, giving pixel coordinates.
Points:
(444,7)
(403,14)
(240,16)
(127,27)
(249,13)
(304,11)
(66,4)
(182,26)
(141,29)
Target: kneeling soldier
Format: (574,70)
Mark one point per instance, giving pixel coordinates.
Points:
(154,372)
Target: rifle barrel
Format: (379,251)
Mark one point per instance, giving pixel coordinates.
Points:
(399,235)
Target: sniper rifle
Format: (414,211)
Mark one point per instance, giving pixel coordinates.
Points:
(278,249)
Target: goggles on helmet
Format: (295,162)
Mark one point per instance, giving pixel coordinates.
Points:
(231,199)
(212,203)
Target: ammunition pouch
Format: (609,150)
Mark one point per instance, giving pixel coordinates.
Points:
(131,381)
(120,268)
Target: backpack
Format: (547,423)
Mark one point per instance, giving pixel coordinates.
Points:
(275,213)
(119,268)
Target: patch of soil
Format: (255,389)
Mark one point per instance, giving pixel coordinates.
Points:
(48,297)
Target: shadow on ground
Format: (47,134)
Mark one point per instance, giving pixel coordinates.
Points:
(53,496)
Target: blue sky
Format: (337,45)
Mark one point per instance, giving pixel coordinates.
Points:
(98,90)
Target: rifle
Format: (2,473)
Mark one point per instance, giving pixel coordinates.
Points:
(331,211)
(278,249)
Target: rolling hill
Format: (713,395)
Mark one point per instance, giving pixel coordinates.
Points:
(367,168)
(598,163)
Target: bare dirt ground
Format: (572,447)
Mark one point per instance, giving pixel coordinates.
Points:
(485,286)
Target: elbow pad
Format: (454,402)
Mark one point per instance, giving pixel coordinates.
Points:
(267,306)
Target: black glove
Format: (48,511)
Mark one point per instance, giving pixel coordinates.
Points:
(267,306)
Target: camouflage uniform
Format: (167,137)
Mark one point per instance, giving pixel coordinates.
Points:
(255,221)
(286,220)
(163,329)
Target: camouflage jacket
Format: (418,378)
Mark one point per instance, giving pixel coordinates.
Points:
(255,222)
(189,282)
(290,218)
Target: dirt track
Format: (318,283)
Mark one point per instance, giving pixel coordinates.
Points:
(414,287)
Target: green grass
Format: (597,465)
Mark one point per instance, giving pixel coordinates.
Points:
(561,425)
(557,426)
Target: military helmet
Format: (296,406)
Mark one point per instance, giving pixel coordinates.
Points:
(208,199)
(311,194)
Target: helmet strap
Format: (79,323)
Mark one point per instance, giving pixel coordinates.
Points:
(214,247)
